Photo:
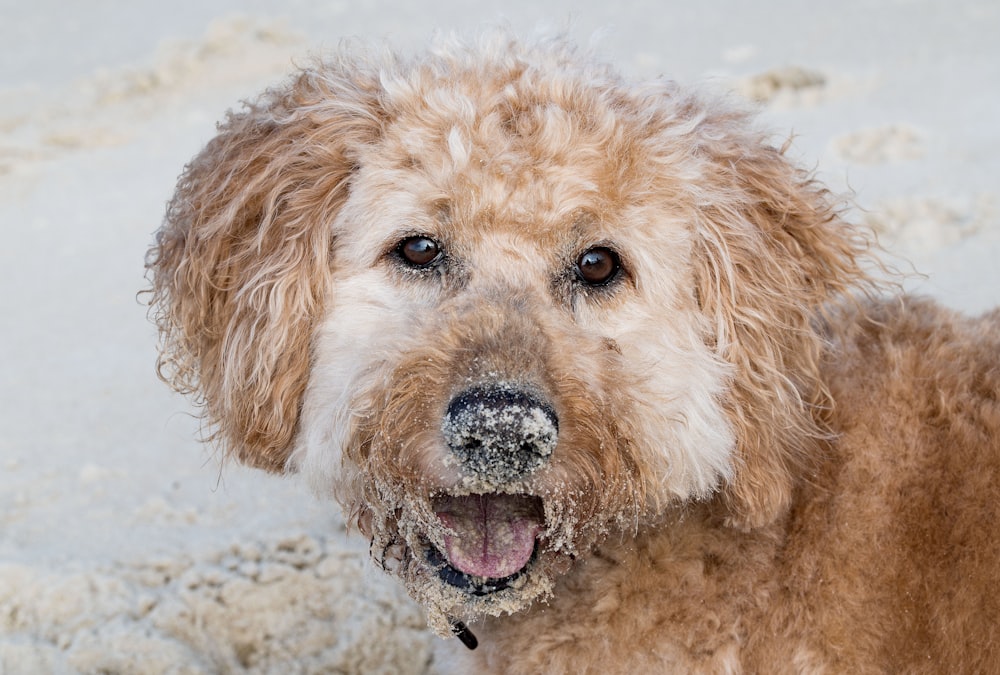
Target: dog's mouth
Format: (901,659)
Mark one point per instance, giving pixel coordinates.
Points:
(490,540)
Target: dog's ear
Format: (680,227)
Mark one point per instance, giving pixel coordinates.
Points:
(241,265)
(771,253)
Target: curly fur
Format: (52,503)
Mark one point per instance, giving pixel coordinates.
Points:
(757,468)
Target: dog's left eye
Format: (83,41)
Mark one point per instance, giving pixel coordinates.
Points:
(419,251)
(598,266)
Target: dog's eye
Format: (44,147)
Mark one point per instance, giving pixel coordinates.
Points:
(598,266)
(419,251)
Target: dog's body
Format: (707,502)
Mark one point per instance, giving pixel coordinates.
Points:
(884,563)
(593,366)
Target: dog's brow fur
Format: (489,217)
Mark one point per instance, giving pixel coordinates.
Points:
(723,402)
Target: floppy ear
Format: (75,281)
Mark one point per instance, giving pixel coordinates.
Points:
(241,265)
(770,255)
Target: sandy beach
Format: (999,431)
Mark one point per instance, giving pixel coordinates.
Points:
(126,546)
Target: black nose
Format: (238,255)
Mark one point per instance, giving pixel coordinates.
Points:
(500,433)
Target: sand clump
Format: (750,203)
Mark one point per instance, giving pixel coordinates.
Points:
(295,605)
(919,226)
(769,85)
(881,145)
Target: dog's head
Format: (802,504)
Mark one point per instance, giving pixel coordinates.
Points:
(499,302)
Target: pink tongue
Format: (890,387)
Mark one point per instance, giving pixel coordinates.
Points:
(494,535)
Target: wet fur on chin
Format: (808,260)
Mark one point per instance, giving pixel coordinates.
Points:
(745,440)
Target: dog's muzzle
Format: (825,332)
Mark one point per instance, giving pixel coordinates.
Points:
(500,433)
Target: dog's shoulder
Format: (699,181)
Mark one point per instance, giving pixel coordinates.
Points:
(895,531)
(916,399)
(914,361)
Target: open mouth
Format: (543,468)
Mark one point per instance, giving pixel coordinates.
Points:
(490,542)
(471,584)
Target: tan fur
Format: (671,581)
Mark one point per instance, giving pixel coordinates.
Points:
(758,468)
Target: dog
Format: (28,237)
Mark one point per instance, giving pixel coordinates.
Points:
(608,382)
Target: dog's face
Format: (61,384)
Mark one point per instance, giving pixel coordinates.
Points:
(494,378)
(499,304)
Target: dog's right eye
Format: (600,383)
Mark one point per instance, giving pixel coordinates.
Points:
(419,252)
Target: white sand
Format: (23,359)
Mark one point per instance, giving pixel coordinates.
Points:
(122,546)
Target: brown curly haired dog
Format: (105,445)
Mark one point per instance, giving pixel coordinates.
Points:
(593,365)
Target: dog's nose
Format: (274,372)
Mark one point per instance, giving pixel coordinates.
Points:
(500,433)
